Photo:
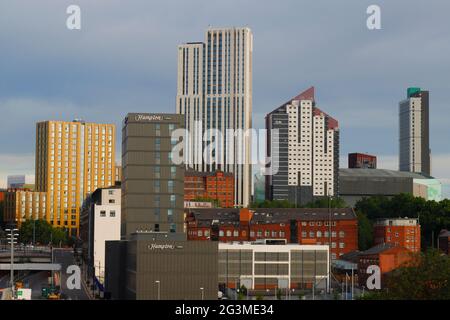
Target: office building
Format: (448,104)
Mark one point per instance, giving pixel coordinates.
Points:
(152,184)
(261,266)
(16,182)
(414,117)
(73,159)
(356,184)
(215,92)
(361,161)
(306,226)
(100,222)
(303,142)
(403,232)
(118,174)
(217,187)
(259,188)
(23,205)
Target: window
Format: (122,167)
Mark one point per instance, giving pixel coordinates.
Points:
(157,186)
(103,213)
(235,233)
(112,201)
(341,234)
(221,233)
(303,234)
(341,245)
(173,200)
(228,233)
(112,213)
(170,215)
(311,234)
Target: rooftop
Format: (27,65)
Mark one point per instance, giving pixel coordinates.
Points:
(384,173)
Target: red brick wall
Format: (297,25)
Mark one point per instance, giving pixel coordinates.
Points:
(404,236)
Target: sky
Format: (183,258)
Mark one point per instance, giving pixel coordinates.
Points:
(124,59)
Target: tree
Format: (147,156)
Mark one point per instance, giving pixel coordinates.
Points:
(43,232)
(365,232)
(325,203)
(433,216)
(426,277)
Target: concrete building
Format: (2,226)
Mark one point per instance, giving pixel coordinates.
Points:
(73,159)
(23,205)
(304,143)
(152,184)
(118,174)
(361,161)
(414,114)
(307,226)
(215,186)
(215,92)
(355,184)
(100,222)
(403,232)
(16,182)
(260,266)
(162,266)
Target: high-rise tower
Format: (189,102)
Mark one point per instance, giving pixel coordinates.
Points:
(73,159)
(415,132)
(215,92)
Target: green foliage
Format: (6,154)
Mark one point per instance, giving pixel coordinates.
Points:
(259,297)
(365,232)
(426,278)
(434,216)
(44,233)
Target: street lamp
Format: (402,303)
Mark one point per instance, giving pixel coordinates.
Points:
(203,295)
(159,289)
(12,240)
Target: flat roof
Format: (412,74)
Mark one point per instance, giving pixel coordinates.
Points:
(373,173)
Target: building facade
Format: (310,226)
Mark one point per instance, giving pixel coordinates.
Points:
(356,184)
(303,142)
(403,232)
(361,161)
(215,92)
(269,267)
(414,114)
(337,228)
(161,266)
(216,186)
(73,159)
(23,205)
(386,256)
(152,183)
(100,222)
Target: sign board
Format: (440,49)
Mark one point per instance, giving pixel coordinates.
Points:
(24,294)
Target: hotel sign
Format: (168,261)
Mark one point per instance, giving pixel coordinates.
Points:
(151,117)
(163,247)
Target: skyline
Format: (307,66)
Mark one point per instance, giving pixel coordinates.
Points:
(118,63)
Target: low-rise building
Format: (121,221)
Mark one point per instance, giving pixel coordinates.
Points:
(387,257)
(307,226)
(100,222)
(217,186)
(261,266)
(404,232)
(22,205)
(161,266)
(356,184)
(444,241)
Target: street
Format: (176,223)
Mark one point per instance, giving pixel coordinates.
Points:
(65,258)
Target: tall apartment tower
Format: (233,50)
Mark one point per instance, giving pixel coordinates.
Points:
(414,143)
(152,184)
(73,159)
(215,90)
(305,144)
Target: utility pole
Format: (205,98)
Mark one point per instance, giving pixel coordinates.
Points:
(352,283)
(12,240)
(159,289)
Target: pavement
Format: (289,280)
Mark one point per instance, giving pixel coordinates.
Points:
(65,258)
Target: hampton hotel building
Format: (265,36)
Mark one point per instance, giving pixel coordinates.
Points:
(73,159)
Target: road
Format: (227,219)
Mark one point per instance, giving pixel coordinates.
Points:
(65,258)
